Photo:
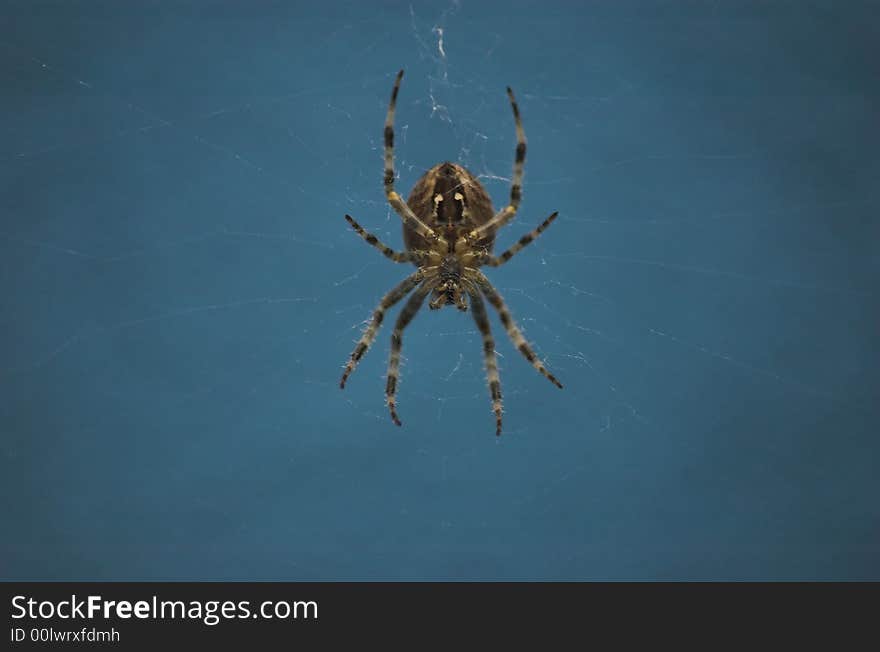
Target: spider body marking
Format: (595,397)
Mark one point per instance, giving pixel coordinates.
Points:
(449,228)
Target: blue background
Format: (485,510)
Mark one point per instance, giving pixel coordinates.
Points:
(179,292)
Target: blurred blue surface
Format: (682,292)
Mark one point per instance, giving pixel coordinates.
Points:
(180,292)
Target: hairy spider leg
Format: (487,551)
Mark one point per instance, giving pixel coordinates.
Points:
(513,331)
(482,320)
(406,315)
(496,261)
(401,208)
(395,295)
(507,213)
(388,252)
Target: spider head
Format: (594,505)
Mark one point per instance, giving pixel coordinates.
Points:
(448,293)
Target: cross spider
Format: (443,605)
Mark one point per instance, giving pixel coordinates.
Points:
(449,228)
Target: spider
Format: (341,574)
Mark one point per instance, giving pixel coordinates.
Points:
(449,229)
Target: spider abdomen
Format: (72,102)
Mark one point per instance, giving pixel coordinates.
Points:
(451,201)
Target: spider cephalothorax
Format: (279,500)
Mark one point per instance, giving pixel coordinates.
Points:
(449,229)
(449,290)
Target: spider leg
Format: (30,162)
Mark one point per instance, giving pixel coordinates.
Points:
(395,295)
(482,320)
(401,208)
(396,256)
(506,214)
(513,331)
(495,261)
(409,311)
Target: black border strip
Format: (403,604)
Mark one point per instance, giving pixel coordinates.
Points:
(418,614)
